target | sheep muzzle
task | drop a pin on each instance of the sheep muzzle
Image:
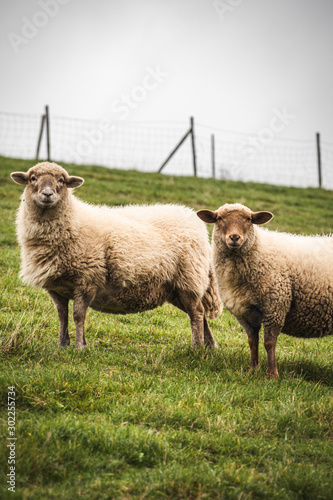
(47, 196)
(234, 241)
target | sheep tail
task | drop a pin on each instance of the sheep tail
(211, 299)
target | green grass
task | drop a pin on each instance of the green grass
(139, 413)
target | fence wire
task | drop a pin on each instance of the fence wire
(145, 145)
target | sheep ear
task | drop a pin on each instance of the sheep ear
(261, 217)
(74, 182)
(207, 216)
(20, 177)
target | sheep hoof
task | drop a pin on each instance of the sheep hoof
(64, 341)
(80, 346)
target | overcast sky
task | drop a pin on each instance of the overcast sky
(229, 63)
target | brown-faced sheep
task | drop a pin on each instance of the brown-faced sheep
(282, 281)
(115, 260)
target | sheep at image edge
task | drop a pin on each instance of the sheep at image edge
(280, 280)
(116, 260)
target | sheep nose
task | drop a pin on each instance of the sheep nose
(234, 237)
(47, 192)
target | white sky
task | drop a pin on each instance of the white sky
(227, 71)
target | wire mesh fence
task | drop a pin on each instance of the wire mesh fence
(145, 145)
(19, 135)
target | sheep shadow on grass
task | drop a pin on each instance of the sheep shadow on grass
(237, 361)
(221, 361)
(309, 370)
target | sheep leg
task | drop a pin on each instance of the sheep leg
(196, 312)
(200, 330)
(253, 339)
(252, 332)
(208, 336)
(81, 304)
(61, 304)
(270, 338)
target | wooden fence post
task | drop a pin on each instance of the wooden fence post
(193, 147)
(42, 123)
(212, 138)
(174, 150)
(47, 118)
(183, 139)
(319, 159)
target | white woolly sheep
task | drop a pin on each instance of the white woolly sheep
(280, 280)
(114, 260)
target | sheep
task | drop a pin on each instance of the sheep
(116, 260)
(280, 280)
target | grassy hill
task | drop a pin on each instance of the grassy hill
(139, 413)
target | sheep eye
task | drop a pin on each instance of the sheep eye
(33, 178)
(219, 218)
(61, 181)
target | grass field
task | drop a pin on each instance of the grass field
(139, 413)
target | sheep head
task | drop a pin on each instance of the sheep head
(234, 223)
(47, 184)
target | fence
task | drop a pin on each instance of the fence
(145, 146)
